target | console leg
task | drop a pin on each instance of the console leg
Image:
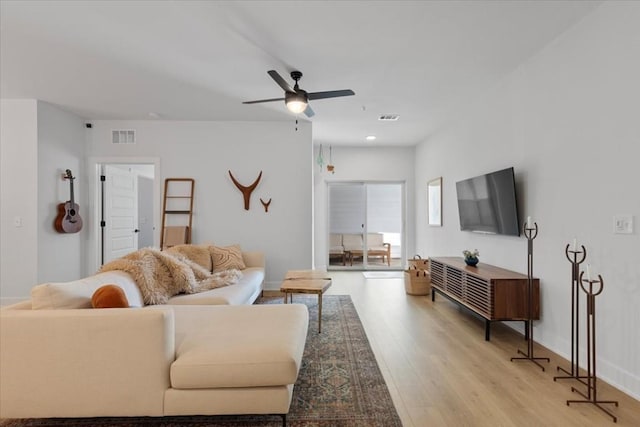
(487, 330)
(284, 420)
(433, 294)
(526, 330)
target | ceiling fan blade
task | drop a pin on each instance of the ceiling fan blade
(309, 112)
(281, 82)
(330, 94)
(263, 100)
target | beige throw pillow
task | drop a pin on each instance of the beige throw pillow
(227, 258)
(199, 254)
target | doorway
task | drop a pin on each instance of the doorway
(125, 208)
(365, 225)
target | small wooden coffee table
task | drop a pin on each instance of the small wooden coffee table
(306, 282)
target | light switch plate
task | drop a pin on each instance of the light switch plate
(623, 224)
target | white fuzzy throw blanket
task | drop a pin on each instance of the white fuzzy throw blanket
(161, 275)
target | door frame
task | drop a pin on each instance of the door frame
(403, 231)
(94, 239)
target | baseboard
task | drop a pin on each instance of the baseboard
(608, 372)
(272, 286)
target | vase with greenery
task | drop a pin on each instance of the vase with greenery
(471, 257)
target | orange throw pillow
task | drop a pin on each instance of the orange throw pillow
(109, 296)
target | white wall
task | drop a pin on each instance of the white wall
(61, 146)
(206, 151)
(39, 141)
(394, 164)
(568, 121)
(18, 198)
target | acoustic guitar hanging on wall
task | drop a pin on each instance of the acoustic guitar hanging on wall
(68, 219)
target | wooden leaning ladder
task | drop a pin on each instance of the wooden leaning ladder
(177, 201)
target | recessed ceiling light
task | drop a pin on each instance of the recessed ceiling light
(371, 138)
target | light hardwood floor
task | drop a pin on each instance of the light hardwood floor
(441, 372)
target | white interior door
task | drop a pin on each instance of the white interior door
(120, 204)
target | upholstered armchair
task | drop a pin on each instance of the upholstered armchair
(353, 246)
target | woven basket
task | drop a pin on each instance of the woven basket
(417, 282)
(417, 263)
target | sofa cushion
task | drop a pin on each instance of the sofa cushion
(78, 293)
(227, 258)
(245, 291)
(200, 254)
(109, 296)
(238, 346)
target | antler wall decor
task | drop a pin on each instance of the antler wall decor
(246, 190)
(265, 204)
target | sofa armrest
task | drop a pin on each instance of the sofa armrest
(85, 362)
(253, 259)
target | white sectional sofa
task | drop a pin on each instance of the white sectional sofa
(208, 353)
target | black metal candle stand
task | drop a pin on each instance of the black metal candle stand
(530, 234)
(574, 373)
(591, 396)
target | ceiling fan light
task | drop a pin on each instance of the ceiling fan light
(296, 107)
(296, 102)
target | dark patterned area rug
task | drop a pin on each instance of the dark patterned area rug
(340, 384)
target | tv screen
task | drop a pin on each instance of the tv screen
(487, 203)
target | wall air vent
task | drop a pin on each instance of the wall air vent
(389, 117)
(123, 136)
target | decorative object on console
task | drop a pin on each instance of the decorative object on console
(246, 190)
(572, 255)
(109, 296)
(531, 232)
(592, 389)
(471, 257)
(434, 200)
(68, 219)
(265, 204)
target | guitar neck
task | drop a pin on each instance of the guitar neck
(71, 191)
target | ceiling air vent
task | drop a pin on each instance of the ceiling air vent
(389, 117)
(123, 136)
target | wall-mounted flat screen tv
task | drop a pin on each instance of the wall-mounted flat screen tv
(487, 203)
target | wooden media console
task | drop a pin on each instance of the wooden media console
(491, 292)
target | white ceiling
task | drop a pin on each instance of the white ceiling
(198, 60)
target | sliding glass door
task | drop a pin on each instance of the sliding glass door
(365, 229)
